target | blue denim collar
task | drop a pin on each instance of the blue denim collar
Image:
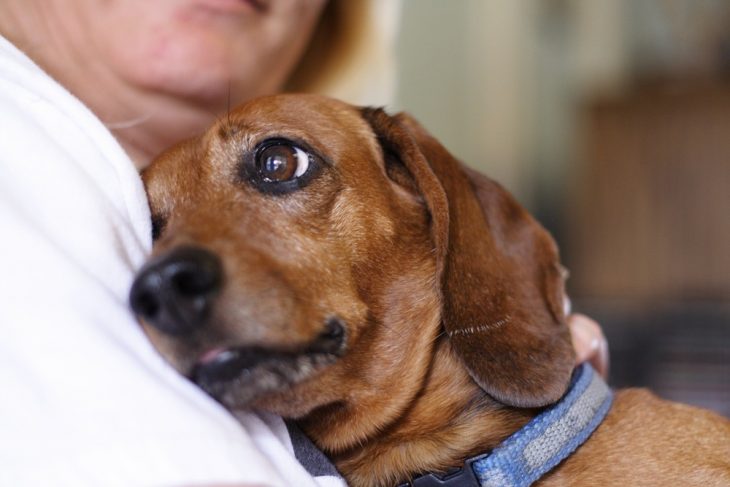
(539, 446)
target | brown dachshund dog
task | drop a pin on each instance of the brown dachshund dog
(336, 265)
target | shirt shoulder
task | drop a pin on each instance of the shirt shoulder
(86, 400)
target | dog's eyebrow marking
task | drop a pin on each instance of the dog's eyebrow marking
(229, 128)
(471, 330)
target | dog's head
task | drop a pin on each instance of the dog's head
(309, 252)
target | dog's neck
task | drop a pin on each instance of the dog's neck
(448, 420)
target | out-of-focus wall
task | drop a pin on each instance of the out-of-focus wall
(498, 81)
(610, 120)
(466, 70)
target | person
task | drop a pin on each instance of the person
(90, 92)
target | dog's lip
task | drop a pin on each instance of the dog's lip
(223, 364)
(236, 375)
(213, 355)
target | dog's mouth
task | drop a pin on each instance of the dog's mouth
(236, 376)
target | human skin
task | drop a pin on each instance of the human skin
(158, 72)
(589, 342)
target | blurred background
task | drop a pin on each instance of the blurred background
(610, 120)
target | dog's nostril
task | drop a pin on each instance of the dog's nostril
(192, 273)
(194, 282)
(146, 305)
(144, 296)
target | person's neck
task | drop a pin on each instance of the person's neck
(143, 121)
(448, 421)
(146, 132)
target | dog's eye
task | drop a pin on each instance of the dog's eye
(281, 162)
(280, 166)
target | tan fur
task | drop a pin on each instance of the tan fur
(451, 294)
(646, 441)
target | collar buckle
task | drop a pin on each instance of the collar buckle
(457, 477)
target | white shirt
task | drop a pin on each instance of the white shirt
(84, 399)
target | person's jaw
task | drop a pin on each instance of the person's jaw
(145, 119)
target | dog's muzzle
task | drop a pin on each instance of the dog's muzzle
(175, 293)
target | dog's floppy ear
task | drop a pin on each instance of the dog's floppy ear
(502, 282)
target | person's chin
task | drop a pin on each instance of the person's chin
(209, 64)
(191, 67)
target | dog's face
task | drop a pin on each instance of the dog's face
(282, 243)
(310, 253)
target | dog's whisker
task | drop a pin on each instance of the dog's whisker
(392, 329)
(471, 330)
(441, 334)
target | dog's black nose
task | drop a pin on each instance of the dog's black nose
(174, 293)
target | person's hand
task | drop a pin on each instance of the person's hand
(589, 342)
